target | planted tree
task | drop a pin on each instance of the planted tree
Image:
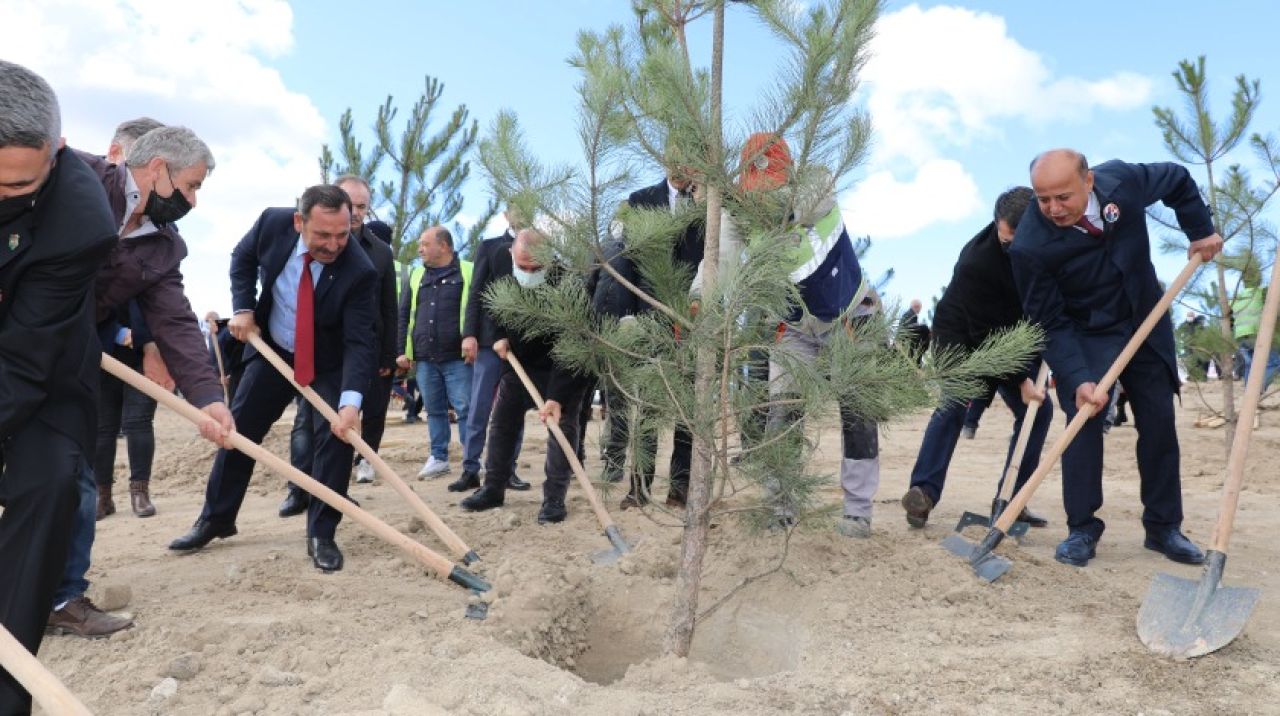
(416, 170)
(1238, 203)
(642, 99)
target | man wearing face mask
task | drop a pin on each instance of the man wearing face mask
(156, 186)
(55, 230)
(980, 300)
(562, 388)
(315, 309)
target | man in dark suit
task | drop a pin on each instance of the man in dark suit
(670, 193)
(373, 415)
(479, 331)
(981, 299)
(1082, 262)
(282, 247)
(55, 230)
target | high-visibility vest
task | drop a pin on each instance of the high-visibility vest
(415, 282)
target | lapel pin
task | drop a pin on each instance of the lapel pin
(1111, 213)
(13, 241)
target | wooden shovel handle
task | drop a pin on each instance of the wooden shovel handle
(433, 561)
(1049, 459)
(1244, 419)
(217, 354)
(565, 446)
(446, 535)
(1024, 435)
(47, 690)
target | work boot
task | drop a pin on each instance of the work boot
(553, 494)
(486, 498)
(79, 617)
(140, 498)
(105, 504)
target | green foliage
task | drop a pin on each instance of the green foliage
(417, 175)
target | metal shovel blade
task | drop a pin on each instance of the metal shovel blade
(1183, 619)
(614, 553)
(987, 565)
(969, 519)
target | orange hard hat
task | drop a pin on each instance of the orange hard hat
(765, 161)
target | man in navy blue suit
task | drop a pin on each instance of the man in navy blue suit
(280, 246)
(1082, 262)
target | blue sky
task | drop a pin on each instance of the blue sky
(961, 94)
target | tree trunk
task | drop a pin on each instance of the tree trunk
(697, 524)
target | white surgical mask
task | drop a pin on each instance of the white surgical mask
(529, 279)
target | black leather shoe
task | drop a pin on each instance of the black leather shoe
(1033, 519)
(486, 498)
(632, 500)
(918, 505)
(295, 503)
(515, 483)
(468, 481)
(324, 553)
(1077, 549)
(202, 533)
(1170, 542)
(553, 510)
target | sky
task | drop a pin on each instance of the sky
(961, 95)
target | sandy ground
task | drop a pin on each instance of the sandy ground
(889, 625)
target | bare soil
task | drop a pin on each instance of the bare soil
(889, 625)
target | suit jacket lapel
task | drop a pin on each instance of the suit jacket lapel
(328, 277)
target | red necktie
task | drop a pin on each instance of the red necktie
(1088, 226)
(304, 335)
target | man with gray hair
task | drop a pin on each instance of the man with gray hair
(155, 187)
(126, 134)
(55, 231)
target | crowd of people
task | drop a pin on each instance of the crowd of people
(92, 263)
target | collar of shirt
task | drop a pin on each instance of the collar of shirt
(675, 196)
(1093, 213)
(133, 197)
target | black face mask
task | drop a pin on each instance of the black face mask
(15, 206)
(167, 209)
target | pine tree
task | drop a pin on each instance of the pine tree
(1237, 202)
(417, 175)
(642, 99)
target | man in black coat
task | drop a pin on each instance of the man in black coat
(55, 230)
(670, 193)
(281, 246)
(563, 390)
(1082, 261)
(479, 331)
(981, 299)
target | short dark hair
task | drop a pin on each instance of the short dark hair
(1012, 204)
(326, 196)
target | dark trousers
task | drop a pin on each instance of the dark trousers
(122, 408)
(373, 411)
(38, 489)
(1150, 388)
(643, 458)
(261, 399)
(973, 412)
(486, 371)
(943, 432)
(506, 426)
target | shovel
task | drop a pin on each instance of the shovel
(217, 354)
(620, 546)
(990, 567)
(1184, 619)
(1005, 489)
(48, 691)
(436, 563)
(380, 466)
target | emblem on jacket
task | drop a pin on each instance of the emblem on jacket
(13, 242)
(1111, 213)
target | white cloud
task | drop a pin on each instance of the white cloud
(196, 64)
(885, 207)
(939, 80)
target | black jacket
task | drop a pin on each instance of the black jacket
(379, 254)
(981, 297)
(687, 250)
(49, 350)
(344, 297)
(479, 324)
(437, 320)
(608, 297)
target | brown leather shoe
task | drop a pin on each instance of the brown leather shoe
(918, 505)
(79, 617)
(105, 504)
(140, 498)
